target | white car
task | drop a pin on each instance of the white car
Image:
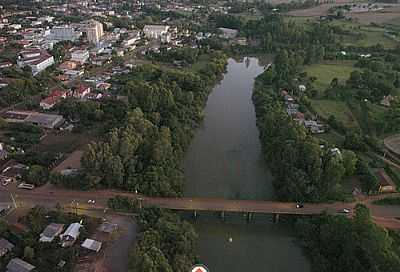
(345, 211)
(91, 201)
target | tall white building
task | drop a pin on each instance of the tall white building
(94, 31)
(64, 33)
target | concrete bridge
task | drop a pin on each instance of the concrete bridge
(49, 196)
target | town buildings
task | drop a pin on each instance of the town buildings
(159, 32)
(51, 100)
(80, 56)
(64, 33)
(94, 31)
(37, 59)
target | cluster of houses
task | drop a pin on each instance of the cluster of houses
(292, 109)
(66, 238)
(80, 91)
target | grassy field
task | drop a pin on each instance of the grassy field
(369, 116)
(338, 109)
(331, 137)
(326, 71)
(365, 35)
(371, 36)
(64, 142)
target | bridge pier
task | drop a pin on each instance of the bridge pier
(249, 216)
(275, 218)
(222, 215)
(195, 215)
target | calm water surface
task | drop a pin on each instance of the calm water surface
(224, 160)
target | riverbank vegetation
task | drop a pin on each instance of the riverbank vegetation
(302, 170)
(144, 146)
(340, 244)
(166, 243)
(350, 89)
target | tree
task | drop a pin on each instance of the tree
(29, 253)
(349, 162)
(354, 141)
(37, 175)
(3, 227)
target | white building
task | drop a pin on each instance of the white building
(15, 26)
(92, 245)
(64, 33)
(70, 235)
(80, 56)
(132, 39)
(50, 232)
(35, 58)
(155, 31)
(94, 31)
(228, 33)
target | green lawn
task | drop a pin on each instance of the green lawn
(368, 35)
(339, 109)
(331, 137)
(371, 37)
(326, 71)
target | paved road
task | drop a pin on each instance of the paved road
(49, 196)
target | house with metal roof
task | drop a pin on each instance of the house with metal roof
(70, 235)
(5, 247)
(50, 232)
(18, 265)
(92, 245)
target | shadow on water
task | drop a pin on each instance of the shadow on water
(225, 161)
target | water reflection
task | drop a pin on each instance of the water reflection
(225, 160)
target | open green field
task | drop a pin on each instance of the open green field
(299, 20)
(371, 37)
(369, 116)
(326, 71)
(331, 137)
(338, 109)
(365, 35)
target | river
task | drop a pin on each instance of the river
(225, 160)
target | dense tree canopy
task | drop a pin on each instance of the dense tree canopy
(144, 148)
(339, 244)
(166, 243)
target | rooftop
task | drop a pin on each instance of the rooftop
(92, 245)
(18, 265)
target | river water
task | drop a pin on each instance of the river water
(225, 161)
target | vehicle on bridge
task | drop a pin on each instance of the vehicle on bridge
(26, 186)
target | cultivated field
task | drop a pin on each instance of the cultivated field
(389, 15)
(338, 109)
(326, 71)
(393, 143)
(316, 11)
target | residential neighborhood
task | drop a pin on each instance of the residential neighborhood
(199, 135)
